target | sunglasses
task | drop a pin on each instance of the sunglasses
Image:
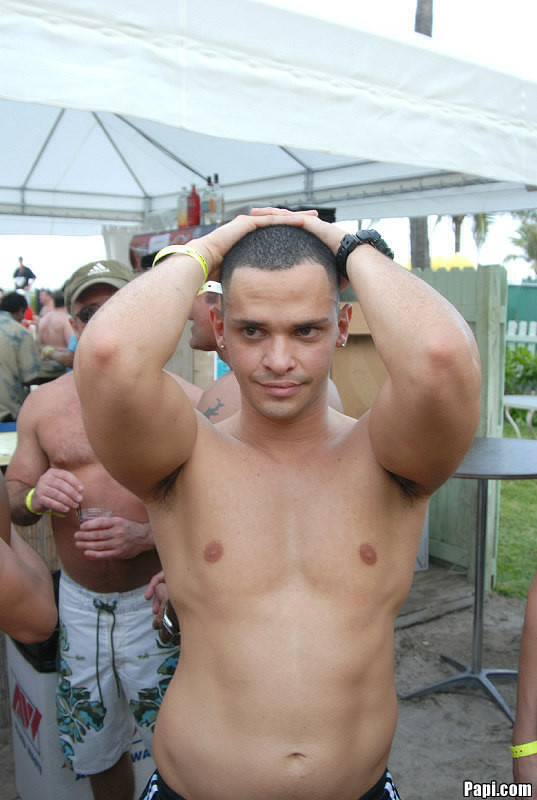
(86, 313)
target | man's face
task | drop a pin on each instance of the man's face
(87, 304)
(280, 329)
(201, 331)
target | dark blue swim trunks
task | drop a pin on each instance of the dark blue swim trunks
(157, 789)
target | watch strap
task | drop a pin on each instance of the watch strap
(352, 240)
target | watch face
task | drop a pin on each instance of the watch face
(368, 236)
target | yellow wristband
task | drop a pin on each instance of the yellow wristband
(187, 251)
(48, 350)
(29, 503)
(528, 749)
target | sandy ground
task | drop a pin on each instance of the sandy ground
(446, 738)
(441, 739)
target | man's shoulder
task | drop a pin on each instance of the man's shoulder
(221, 399)
(55, 392)
(48, 402)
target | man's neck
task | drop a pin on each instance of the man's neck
(309, 428)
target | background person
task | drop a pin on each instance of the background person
(45, 302)
(19, 356)
(525, 727)
(108, 648)
(288, 532)
(54, 333)
(23, 277)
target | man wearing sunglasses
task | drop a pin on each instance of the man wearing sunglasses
(111, 657)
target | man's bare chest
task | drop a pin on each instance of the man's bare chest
(63, 438)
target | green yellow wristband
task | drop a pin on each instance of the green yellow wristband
(48, 350)
(29, 503)
(528, 749)
(185, 250)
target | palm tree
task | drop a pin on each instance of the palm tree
(419, 232)
(481, 224)
(526, 238)
(424, 17)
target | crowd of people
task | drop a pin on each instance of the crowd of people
(234, 592)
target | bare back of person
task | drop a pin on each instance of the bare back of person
(54, 328)
(52, 419)
(274, 697)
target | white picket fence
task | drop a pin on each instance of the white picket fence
(521, 332)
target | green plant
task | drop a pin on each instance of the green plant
(520, 371)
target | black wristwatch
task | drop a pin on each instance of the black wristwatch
(351, 240)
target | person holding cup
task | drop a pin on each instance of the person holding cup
(107, 561)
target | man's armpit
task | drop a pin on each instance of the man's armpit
(164, 487)
(408, 487)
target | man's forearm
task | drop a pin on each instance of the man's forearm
(525, 728)
(20, 513)
(62, 355)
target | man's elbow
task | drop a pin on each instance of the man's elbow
(454, 377)
(39, 629)
(96, 357)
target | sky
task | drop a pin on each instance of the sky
(474, 29)
(54, 258)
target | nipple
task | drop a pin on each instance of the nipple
(368, 554)
(213, 551)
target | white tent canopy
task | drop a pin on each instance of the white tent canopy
(108, 111)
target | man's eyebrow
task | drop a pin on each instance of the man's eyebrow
(308, 323)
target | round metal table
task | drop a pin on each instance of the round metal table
(487, 459)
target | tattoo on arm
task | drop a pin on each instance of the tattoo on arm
(212, 411)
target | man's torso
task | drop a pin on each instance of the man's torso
(287, 574)
(62, 437)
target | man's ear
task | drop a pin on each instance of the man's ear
(73, 326)
(344, 321)
(217, 321)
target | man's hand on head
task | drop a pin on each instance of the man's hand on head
(214, 245)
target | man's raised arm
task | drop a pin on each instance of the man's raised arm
(425, 416)
(138, 418)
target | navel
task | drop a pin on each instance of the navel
(368, 554)
(213, 551)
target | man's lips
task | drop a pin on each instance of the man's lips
(280, 388)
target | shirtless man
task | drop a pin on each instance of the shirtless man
(223, 397)
(288, 532)
(107, 563)
(54, 327)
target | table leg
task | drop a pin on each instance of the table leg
(475, 675)
(529, 422)
(513, 423)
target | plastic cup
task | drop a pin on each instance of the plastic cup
(92, 513)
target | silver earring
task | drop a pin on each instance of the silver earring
(221, 346)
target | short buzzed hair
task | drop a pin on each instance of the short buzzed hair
(278, 247)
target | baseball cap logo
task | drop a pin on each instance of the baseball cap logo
(98, 269)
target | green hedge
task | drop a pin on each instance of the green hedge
(520, 371)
